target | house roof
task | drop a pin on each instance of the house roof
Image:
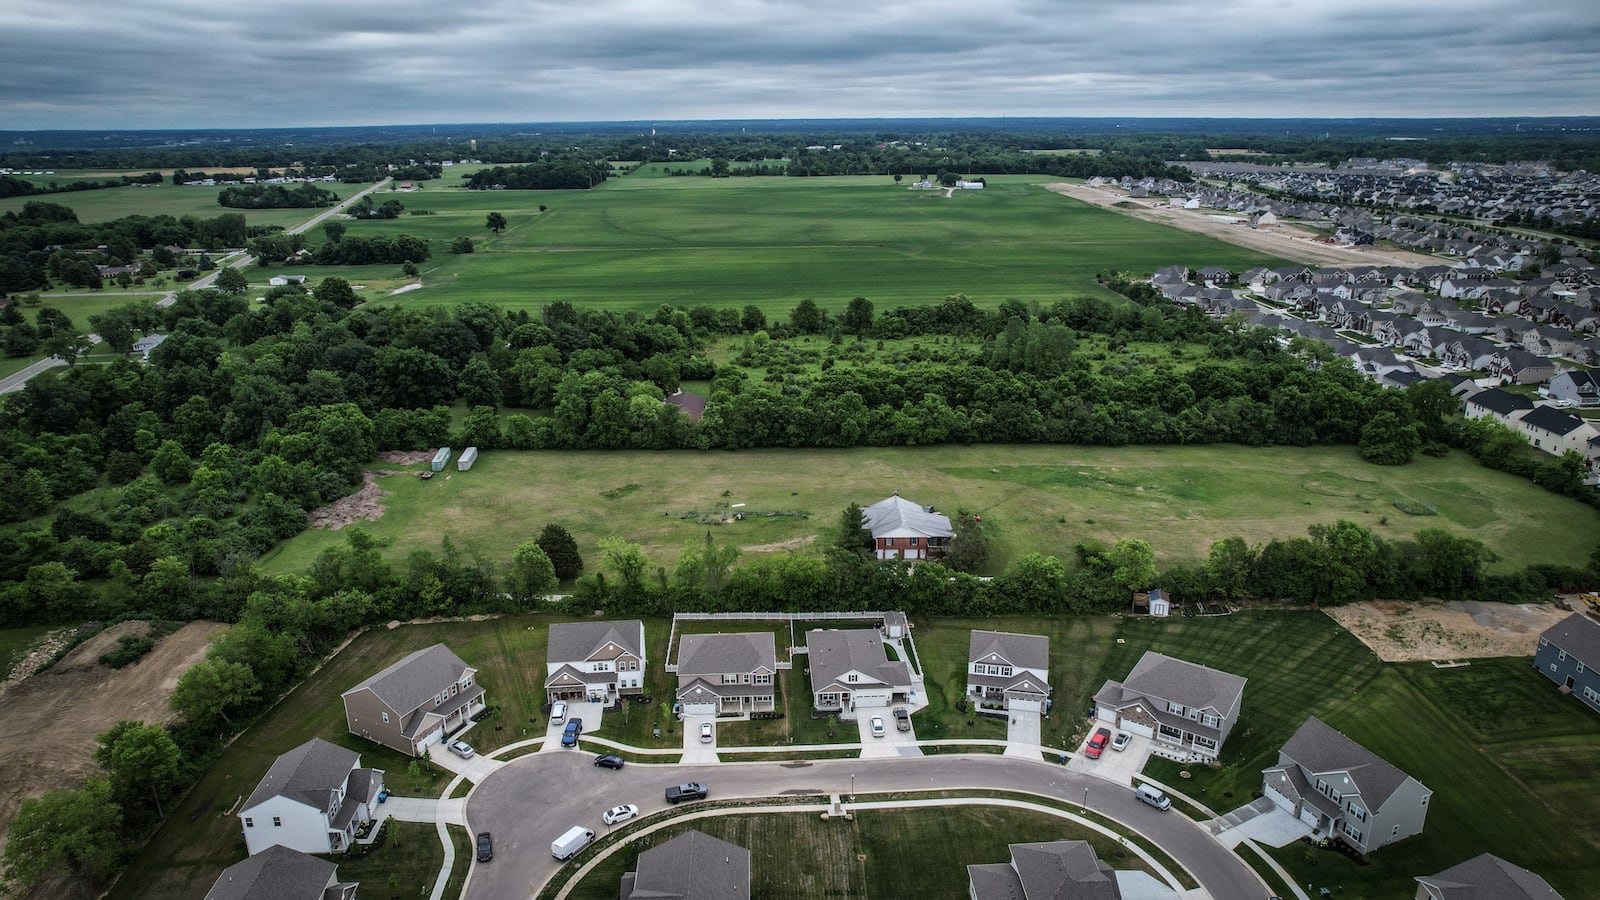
(700, 690)
(1500, 402)
(1063, 870)
(309, 773)
(994, 881)
(1027, 651)
(1487, 877)
(692, 866)
(1578, 379)
(278, 873)
(1318, 748)
(712, 654)
(834, 652)
(570, 641)
(1194, 686)
(416, 678)
(1552, 420)
(895, 516)
(1579, 636)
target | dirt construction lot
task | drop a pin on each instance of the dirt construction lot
(1287, 241)
(52, 717)
(1403, 632)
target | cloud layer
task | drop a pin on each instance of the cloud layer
(184, 63)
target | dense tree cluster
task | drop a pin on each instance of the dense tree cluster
(276, 196)
(548, 175)
(45, 244)
(12, 186)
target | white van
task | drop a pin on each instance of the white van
(1153, 796)
(558, 712)
(566, 846)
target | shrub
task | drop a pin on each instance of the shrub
(129, 650)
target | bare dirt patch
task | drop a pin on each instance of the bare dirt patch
(53, 716)
(1286, 241)
(794, 543)
(366, 504)
(1406, 632)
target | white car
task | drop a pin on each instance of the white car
(877, 726)
(620, 814)
(1121, 741)
(461, 749)
(706, 734)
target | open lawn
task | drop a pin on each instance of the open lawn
(107, 204)
(1506, 756)
(1032, 498)
(638, 241)
(881, 853)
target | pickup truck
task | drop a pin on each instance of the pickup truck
(902, 720)
(689, 790)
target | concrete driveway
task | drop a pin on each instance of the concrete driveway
(694, 750)
(592, 715)
(1120, 767)
(1022, 735)
(876, 747)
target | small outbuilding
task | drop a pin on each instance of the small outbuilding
(440, 458)
(468, 457)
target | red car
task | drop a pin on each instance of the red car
(1097, 744)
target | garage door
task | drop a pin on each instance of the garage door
(1133, 727)
(869, 701)
(1026, 705)
(431, 738)
(1106, 714)
(700, 709)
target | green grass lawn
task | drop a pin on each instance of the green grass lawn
(881, 853)
(15, 644)
(1032, 498)
(405, 866)
(165, 200)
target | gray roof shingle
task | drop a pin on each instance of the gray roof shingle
(1195, 686)
(1579, 635)
(1317, 748)
(714, 654)
(278, 873)
(1029, 651)
(416, 678)
(898, 516)
(1488, 877)
(309, 773)
(692, 866)
(832, 653)
(1063, 870)
(571, 641)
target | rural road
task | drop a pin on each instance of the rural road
(535, 798)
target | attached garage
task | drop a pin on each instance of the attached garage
(700, 709)
(869, 700)
(1133, 727)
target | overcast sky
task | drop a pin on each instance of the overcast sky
(185, 63)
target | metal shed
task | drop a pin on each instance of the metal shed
(440, 458)
(468, 457)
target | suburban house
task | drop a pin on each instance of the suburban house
(1555, 431)
(1568, 653)
(595, 661)
(1183, 707)
(313, 799)
(1012, 670)
(1581, 388)
(904, 530)
(418, 701)
(691, 866)
(850, 670)
(726, 673)
(1059, 870)
(1343, 790)
(1484, 877)
(279, 873)
(149, 342)
(1497, 403)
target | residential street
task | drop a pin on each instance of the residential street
(533, 799)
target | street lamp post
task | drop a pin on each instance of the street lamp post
(1086, 798)
(852, 785)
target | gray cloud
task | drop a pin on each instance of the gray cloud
(184, 63)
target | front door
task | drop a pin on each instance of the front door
(1570, 682)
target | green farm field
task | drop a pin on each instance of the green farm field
(638, 242)
(1032, 499)
(107, 204)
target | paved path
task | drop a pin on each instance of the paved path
(567, 790)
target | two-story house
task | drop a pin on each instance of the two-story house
(1484, 877)
(1012, 670)
(1185, 708)
(1343, 790)
(1568, 654)
(278, 873)
(727, 673)
(850, 670)
(1059, 870)
(314, 799)
(419, 701)
(905, 530)
(1579, 388)
(691, 866)
(595, 661)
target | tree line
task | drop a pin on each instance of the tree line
(276, 196)
(44, 243)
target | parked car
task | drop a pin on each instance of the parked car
(902, 720)
(689, 790)
(1153, 796)
(569, 737)
(461, 749)
(707, 734)
(485, 847)
(558, 711)
(877, 726)
(1097, 744)
(620, 814)
(608, 761)
(1121, 741)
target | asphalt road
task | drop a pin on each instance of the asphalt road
(535, 798)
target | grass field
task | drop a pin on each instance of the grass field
(1032, 498)
(15, 644)
(167, 199)
(881, 853)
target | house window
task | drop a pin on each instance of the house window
(249, 822)
(1328, 790)
(1561, 655)
(851, 677)
(1005, 671)
(1552, 667)
(277, 822)
(385, 718)
(1580, 668)
(1210, 720)
(730, 679)
(763, 679)
(1395, 832)
(1591, 695)
(602, 667)
(1358, 813)
(1175, 708)
(1355, 835)
(1205, 743)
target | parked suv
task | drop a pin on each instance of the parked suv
(689, 790)
(569, 737)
